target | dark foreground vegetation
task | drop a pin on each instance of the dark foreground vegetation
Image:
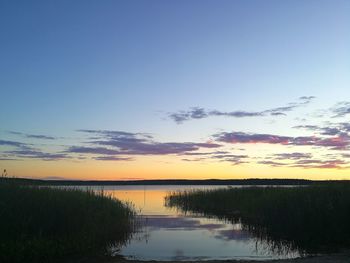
(311, 219)
(52, 225)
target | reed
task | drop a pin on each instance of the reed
(312, 218)
(42, 224)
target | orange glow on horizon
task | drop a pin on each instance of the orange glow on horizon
(147, 168)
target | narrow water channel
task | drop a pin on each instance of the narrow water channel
(168, 234)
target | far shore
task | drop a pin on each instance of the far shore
(228, 182)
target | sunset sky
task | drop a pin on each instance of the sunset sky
(175, 89)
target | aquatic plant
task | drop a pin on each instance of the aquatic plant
(42, 224)
(311, 219)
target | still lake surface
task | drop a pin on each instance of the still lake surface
(169, 234)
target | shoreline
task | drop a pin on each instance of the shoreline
(342, 257)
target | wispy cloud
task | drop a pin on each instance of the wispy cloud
(241, 137)
(201, 113)
(341, 109)
(35, 154)
(12, 143)
(326, 164)
(115, 143)
(206, 153)
(7, 159)
(33, 136)
(221, 156)
(272, 163)
(234, 159)
(307, 163)
(112, 158)
(305, 160)
(22, 150)
(92, 150)
(331, 129)
(104, 145)
(339, 142)
(292, 156)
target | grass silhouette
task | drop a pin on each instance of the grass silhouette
(310, 219)
(41, 224)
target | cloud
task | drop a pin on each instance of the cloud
(303, 160)
(193, 160)
(321, 164)
(12, 143)
(112, 158)
(307, 127)
(33, 136)
(106, 145)
(23, 150)
(221, 156)
(92, 150)
(241, 137)
(291, 156)
(331, 129)
(234, 159)
(307, 99)
(196, 153)
(272, 163)
(193, 113)
(321, 130)
(111, 133)
(341, 109)
(112, 144)
(339, 142)
(308, 164)
(200, 113)
(346, 155)
(34, 154)
(8, 159)
(154, 148)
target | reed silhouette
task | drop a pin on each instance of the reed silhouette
(310, 219)
(41, 224)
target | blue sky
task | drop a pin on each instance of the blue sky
(128, 65)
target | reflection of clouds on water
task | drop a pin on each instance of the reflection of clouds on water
(170, 234)
(182, 238)
(233, 234)
(176, 223)
(219, 231)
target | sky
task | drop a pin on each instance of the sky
(120, 90)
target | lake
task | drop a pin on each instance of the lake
(169, 234)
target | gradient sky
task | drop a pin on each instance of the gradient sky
(175, 89)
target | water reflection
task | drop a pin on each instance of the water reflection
(177, 223)
(193, 238)
(169, 234)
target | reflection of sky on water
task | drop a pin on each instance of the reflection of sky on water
(177, 223)
(168, 234)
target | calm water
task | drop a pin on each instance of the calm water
(168, 234)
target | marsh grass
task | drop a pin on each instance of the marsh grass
(311, 219)
(50, 224)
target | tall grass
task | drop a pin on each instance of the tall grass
(50, 224)
(311, 219)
